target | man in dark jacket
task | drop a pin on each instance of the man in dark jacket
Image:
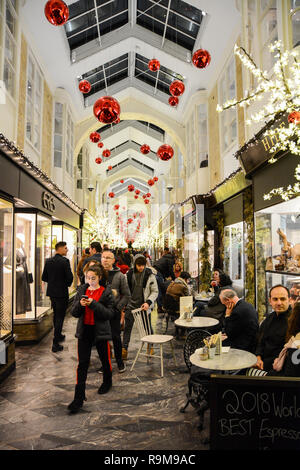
(120, 289)
(272, 331)
(95, 254)
(164, 268)
(240, 323)
(57, 273)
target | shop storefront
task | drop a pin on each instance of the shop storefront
(31, 210)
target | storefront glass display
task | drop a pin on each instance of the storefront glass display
(233, 255)
(57, 236)
(25, 265)
(6, 268)
(70, 237)
(43, 251)
(277, 250)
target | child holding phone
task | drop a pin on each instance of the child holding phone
(94, 307)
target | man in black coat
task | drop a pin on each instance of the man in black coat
(95, 255)
(57, 273)
(164, 268)
(240, 322)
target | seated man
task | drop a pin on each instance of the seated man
(240, 322)
(272, 331)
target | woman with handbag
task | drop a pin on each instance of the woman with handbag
(94, 307)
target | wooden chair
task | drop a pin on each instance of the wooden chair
(142, 320)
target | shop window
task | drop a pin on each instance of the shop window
(34, 103)
(277, 250)
(268, 32)
(43, 251)
(295, 22)
(228, 120)
(58, 135)
(233, 255)
(10, 45)
(70, 237)
(6, 267)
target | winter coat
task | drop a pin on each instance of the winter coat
(215, 308)
(150, 288)
(165, 266)
(118, 282)
(57, 273)
(103, 312)
(175, 290)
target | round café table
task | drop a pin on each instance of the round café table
(234, 359)
(197, 322)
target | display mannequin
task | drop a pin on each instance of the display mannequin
(23, 295)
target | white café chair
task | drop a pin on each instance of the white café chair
(142, 320)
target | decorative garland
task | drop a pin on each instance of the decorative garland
(205, 271)
(248, 216)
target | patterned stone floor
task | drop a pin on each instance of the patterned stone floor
(141, 412)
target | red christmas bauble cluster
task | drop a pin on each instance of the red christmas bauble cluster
(98, 160)
(177, 88)
(56, 12)
(145, 149)
(130, 188)
(107, 109)
(85, 86)
(111, 194)
(100, 145)
(201, 58)
(154, 65)
(294, 117)
(95, 137)
(173, 101)
(106, 153)
(165, 152)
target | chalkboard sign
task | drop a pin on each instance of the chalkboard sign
(254, 412)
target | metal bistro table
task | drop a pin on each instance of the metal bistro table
(197, 322)
(234, 359)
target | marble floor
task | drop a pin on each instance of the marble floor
(141, 412)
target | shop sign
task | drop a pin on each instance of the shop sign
(48, 201)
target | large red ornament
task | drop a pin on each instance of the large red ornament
(148, 194)
(165, 152)
(107, 109)
(155, 178)
(150, 182)
(98, 160)
(177, 88)
(117, 120)
(111, 194)
(294, 117)
(95, 137)
(131, 188)
(146, 201)
(121, 181)
(106, 153)
(56, 12)
(154, 65)
(173, 101)
(137, 191)
(100, 145)
(85, 86)
(201, 58)
(145, 149)
(109, 168)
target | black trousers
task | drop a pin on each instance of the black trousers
(85, 345)
(116, 336)
(59, 306)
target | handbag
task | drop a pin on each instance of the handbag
(30, 278)
(279, 361)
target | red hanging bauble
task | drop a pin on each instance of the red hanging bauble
(201, 58)
(107, 109)
(111, 194)
(98, 160)
(121, 181)
(177, 88)
(116, 207)
(130, 221)
(85, 86)
(106, 153)
(56, 12)
(154, 65)
(144, 196)
(148, 194)
(150, 182)
(155, 178)
(109, 168)
(145, 149)
(165, 152)
(136, 196)
(146, 201)
(294, 117)
(95, 137)
(100, 145)
(131, 188)
(137, 191)
(173, 101)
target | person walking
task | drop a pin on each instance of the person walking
(94, 308)
(84, 256)
(95, 253)
(119, 286)
(164, 268)
(144, 291)
(57, 273)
